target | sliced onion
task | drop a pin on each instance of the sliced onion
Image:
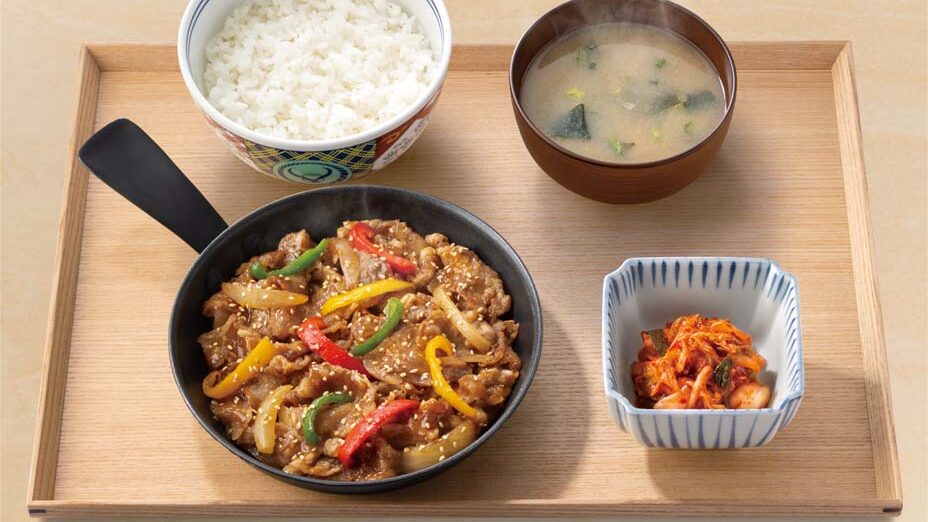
(251, 296)
(265, 430)
(348, 260)
(424, 455)
(467, 329)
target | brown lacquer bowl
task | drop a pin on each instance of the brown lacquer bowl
(621, 182)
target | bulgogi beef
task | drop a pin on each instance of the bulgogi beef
(371, 354)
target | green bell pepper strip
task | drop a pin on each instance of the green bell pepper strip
(309, 418)
(294, 267)
(394, 313)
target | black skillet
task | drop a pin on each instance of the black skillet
(127, 159)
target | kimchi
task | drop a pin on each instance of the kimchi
(697, 362)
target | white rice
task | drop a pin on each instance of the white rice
(317, 69)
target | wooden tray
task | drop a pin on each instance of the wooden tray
(114, 436)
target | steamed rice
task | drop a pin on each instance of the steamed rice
(317, 69)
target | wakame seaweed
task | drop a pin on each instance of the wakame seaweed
(691, 102)
(698, 100)
(664, 101)
(572, 125)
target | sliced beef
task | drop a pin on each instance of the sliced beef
(220, 307)
(223, 346)
(294, 244)
(363, 326)
(282, 323)
(378, 460)
(260, 387)
(490, 387)
(373, 268)
(477, 287)
(295, 283)
(236, 415)
(311, 463)
(399, 358)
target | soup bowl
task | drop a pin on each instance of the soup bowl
(621, 182)
(126, 159)
(312, 162)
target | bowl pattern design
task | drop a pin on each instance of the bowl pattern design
(352, 158)
(756, 293)
(329, 166)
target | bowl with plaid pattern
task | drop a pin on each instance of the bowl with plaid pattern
(313, 162)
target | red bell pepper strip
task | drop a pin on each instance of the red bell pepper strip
(385, 413)
(361, 235)
(310, 331)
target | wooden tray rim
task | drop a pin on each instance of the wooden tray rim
(95, 59)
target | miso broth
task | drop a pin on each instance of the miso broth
(623, 92)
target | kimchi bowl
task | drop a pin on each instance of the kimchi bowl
(756, 294)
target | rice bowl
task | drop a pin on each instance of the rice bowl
(363, 100)
(363, 62)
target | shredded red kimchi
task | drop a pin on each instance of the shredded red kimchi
(697, 362)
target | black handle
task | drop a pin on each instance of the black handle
(129, 161)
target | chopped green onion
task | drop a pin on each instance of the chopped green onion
(621, 147)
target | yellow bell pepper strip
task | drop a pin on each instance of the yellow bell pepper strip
(363, 292)
(265, 430)
(309, 418)
(468, 330)
(394, 314)
(251, 296)
(294, 267)
(439, 383)
(256, 359)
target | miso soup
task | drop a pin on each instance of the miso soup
(623, 93)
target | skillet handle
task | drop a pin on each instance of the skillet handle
(132, 164)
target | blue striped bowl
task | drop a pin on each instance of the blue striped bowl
(756, 294)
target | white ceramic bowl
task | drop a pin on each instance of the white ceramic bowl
(756, 294)
(312, 161)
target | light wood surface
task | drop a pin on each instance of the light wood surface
(560, 454)
(876, 371)
(64, 283)
(39, 70)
